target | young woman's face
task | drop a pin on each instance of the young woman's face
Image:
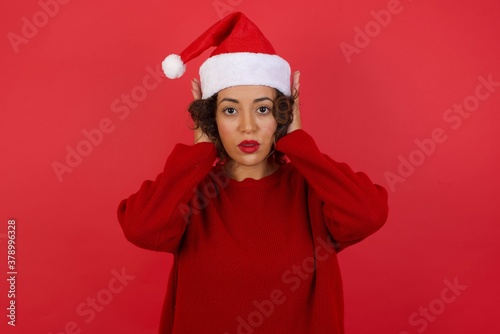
(244, 113)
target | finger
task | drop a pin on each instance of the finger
(296, 80)
(195, 89)
(197, 83)
(296, 87)
(195, 86)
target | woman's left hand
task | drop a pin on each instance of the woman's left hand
(296, 124)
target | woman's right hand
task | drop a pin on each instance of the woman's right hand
(199, 135)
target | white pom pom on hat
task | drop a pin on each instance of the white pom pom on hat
(243, 56)
(173, 66)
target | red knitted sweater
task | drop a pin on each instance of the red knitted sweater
(256, 256)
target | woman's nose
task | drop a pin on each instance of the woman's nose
(247, 122)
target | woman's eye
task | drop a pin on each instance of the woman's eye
(230, 111)
(264, 110)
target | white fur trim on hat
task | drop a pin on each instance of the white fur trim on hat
(173, 66)
(244, 68)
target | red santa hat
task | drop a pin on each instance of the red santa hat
(243, 56)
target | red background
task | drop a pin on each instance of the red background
(63, 80)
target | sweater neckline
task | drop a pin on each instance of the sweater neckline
(265, 181)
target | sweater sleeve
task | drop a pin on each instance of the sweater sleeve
(155, 217)
(353, 207)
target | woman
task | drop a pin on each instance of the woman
(255, 235)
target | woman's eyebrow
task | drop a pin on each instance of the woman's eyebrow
(229, 100)
(262, 99)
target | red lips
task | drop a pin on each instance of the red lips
(249, 146)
